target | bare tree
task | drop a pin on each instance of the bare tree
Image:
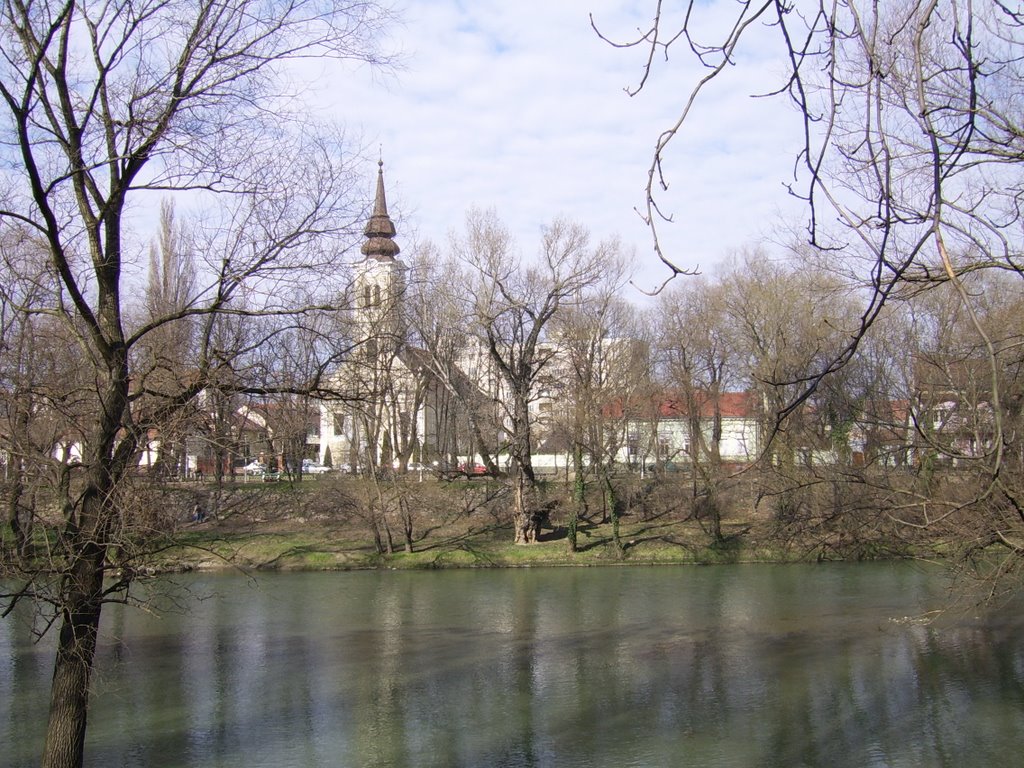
(100, 105)
(600, 353)
(911, 142)
(463, 419)
(700, 362)
(911, 158)
(785, 323)
(17, 357)
(164, 354)
(513, 304)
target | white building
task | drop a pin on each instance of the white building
(663, 430)
(401, 405)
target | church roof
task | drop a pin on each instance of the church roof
(380, 230)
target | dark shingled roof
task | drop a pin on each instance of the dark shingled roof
(380, 229)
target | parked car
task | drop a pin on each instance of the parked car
(310, 467)
(254, 468)
(473, 469)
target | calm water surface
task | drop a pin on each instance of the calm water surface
(726, 666)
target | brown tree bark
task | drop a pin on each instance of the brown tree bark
(527, 518)
(76, 648)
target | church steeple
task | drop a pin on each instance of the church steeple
(380, 230)
(379, 280)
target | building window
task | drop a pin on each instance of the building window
(339, 423)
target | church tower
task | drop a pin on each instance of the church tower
(379, 280)
(382, 424)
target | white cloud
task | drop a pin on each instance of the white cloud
(520, 107)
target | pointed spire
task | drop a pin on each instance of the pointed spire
(380, 229)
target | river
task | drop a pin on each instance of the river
(760, 665)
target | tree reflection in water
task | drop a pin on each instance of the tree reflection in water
(729, 666)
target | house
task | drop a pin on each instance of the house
(661, 428)
(881, 434)
(951, 408)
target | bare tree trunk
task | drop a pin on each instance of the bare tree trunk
(389, 541)
(612, 503)
(714, 513)
(13, 491)
(69, 691)
(407, 528)
(520, 518)
(87, 528)
(578, 507)
(526, 519)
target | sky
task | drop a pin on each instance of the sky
(521, 107)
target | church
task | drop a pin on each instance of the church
(409, 401)
(401, 404)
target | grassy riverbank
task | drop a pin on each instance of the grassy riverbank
(305, 546)
(333, 523)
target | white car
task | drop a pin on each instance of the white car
(313, 468)
(254, 468)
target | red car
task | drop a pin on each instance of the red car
(473, 469)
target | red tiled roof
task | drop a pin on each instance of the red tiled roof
(732, 405)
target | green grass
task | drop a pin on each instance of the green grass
(315, 525)
(298, 543)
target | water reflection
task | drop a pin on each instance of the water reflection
(733, 666)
